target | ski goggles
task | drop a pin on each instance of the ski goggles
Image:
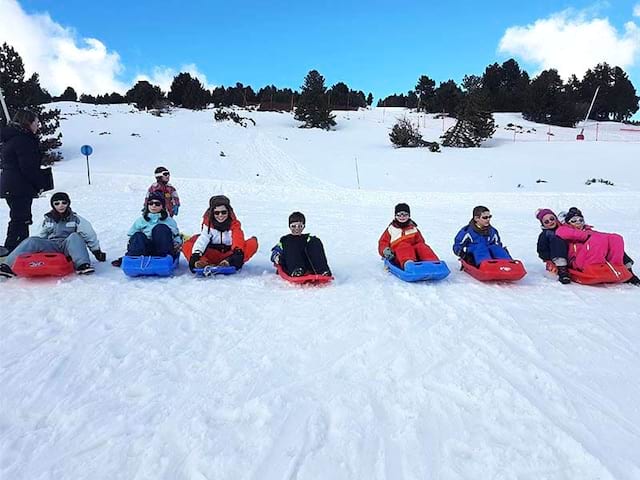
(296, 226)
(576, 219)
(402, 214)
(166, 173)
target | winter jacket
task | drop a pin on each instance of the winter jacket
(57, 229)
(550, 245)
(20, 164)
(146, 226)
(170, 195)
(588, 246)
(231, 239)
(469, 238)
(397, 233)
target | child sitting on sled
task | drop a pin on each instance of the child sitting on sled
(402, 242)
(221, 240)
(63, 231)
(591, 247)
(155, 233)
(552, 249)
(478, 240)
(300, 253)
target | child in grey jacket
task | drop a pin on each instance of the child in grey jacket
(63, 231)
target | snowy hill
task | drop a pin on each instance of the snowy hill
(369, 378)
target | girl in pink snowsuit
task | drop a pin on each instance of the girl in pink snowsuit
(588, 246)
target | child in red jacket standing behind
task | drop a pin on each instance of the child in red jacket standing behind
(402, 242)
(168, 191)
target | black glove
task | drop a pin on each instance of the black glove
(192, 261)
(100, 255)
(236, 259)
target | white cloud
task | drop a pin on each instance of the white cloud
(636, 10)
(572, 42)
(62, 59)
(163, 76)
(57, 55)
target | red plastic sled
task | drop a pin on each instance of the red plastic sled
(311, 279)
(42, 265)
(600, 273)
(498, 270)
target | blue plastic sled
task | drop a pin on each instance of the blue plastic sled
(419, 271)
(212, 270)
(149, 266)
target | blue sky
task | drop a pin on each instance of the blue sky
(376, 46)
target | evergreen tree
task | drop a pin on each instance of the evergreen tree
(447, 97)
(548, 101)
(86, 98)
(144, 95)
(505, 86)
(474, 125)
(616, 99)
(69, 95)
(29, 94)
(370, 99)
(425, 91)
(313, 109)
(188, 92)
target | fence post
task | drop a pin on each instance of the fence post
(597, 129)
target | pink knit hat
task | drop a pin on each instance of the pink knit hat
(541, 212)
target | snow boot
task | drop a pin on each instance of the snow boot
(5, 271)
(85, 269)
(634, 280)
(563, 275)
(203, 262)
(298, 272)
(117, 262)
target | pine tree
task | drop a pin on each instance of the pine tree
(447, 97)
(144, 95)
(548, 101)
(474, 125)
(313, 109)
(370, 99)
(69, 95)
(188, 92)
(29, 94)
(425, 90)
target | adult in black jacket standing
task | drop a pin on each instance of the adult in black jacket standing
(20, 179)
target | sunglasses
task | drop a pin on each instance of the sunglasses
(576, 220)
(165, 173)
(296, 225)
(402, 214)
(219, 213)
(486, 217)
(57, 203)
(154, 203)
(549, 220)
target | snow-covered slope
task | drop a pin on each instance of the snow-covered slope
(247, 377)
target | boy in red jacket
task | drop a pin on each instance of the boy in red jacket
(402, 242)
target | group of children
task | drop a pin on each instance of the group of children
(563, 243)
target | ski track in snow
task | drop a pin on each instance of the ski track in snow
(248, 377)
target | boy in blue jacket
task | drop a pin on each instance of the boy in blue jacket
(479, 241)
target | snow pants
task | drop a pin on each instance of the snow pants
(599, 248)
(160, 244)
(556, 251)
(405, 252)
(481, 252)
(73, 246)
(307, 255)
(215, 256)
(19, 220)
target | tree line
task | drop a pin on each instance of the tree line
(547, 98)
